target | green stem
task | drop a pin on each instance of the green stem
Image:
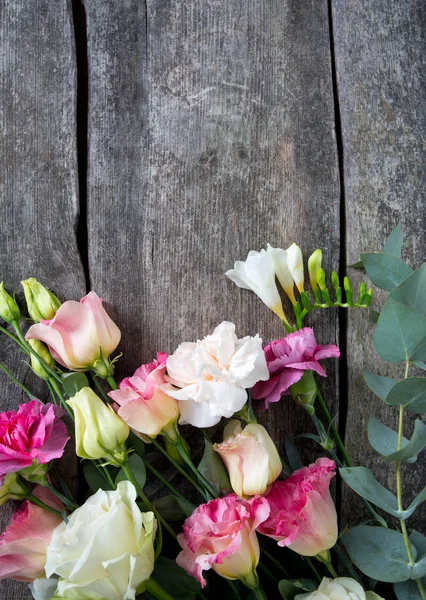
(313, 569)
(40, 503)
(274, 561)
(156, 590)
(112, 383)
(267, 572)
(105, 474)
(399, 492)
(15, 380)
(331, 570)
(234, 588)
(101, 389)
(25, 345)
(129, 474)
(204, 482)
(259, 593)
(61, 397)
(61, 497)
(164, 481)
(178, 467)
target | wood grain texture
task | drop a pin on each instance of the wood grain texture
(210, 134)
(381, 59)
(39, 206)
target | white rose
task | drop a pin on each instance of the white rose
(213, 374)
(106, 550)
(257, 273)
(341, 588)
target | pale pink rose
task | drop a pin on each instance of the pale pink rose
(250, 456)
(33, 432)
(143, 404)
(302, 513)
(288, 359)
(221, 535)
(80, 333)
(23, 546)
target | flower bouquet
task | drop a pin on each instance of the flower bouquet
(245, 522)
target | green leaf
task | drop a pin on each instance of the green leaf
(95, 480)
(73, 383)
(419, 499)
(292, 454)
(213, 468)
(357, 265)
(408, 590)
(384, 440)
(374, 316)
(419, 541)
(135, 442)
(378, 384)
(413, 447)
(363, 482)
(393, 245)
(378, 552)
(410, 393)
(138, 469)
(412, 292)
(174, 508)
(287, 590)
(421, 365)
(400, 333)
(385, 271)
(174, 579)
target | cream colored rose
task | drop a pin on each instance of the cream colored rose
(341, 588)
(106, 550)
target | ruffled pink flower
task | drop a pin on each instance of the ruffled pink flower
(80, 334)
(287, 360)
(34, 431)
(142, 404)
(221, 535)
(23, 545)
(302, 513)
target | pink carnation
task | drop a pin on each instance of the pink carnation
(34, 432)
(287, 360)
(302, 513)
(142, 403)
(23, 545)
(221, 535)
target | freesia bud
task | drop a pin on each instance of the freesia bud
(9, 310)
(81, 336)
(321, 280)
(41, 304)
(44, 353)
(250, 456)
(257, 273)
(99, 431)
(314, 263)
(12, 488)
(295, 265)
(279, 256)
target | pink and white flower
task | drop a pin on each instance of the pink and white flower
(302, 513)
(221, 535)
(80, 333)
(23, 546)
(288, 359)
(142, 402)
(33, 432)
(213, 375)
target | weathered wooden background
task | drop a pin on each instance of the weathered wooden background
(145, 146)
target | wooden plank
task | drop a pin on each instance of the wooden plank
(38, 181)
(211, 132)
(380, 58)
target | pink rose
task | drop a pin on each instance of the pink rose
(287, 360)
(33, 432)
(143, 405)
(23, 545)
(80, 336)
(302, 513)
(221, 535)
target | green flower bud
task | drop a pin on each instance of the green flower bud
(42, 304)
(305, 391)
(36, 473)
(44, 353)
(13, 488)
(314, 263)
(335, 280)
(9, 310)
(321, 280)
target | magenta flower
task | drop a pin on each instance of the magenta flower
(23, 545)
(34, 432)
(287, 360)
(302, 513)
(221, 535)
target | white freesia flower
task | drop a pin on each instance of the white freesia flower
(279, 256)
(106, 550)
(295, 265)
(212, 375)
(257, 273)
(341, 588)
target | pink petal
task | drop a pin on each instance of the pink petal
(329, 351)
